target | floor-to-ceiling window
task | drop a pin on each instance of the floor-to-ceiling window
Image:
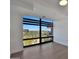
(46, 30)
(36, 30)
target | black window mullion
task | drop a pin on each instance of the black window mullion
(40, 31)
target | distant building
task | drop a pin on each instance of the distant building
(26, 30)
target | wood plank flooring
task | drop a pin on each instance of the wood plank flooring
(46, 51)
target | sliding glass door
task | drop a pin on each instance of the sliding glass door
(36, 31)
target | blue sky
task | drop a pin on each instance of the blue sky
(35, 28)
(32, 27)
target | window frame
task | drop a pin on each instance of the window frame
(39, 23)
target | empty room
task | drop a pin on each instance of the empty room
(38, 29)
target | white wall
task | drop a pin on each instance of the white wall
(16, 33)
(18, 8)
(61, 32)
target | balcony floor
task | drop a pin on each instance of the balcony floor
(46, 51)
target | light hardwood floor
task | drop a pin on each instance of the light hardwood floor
(46, 51)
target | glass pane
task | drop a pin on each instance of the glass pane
(30, 31)
(32, 17)
(46, 31)
(46, 39)
(30, 42)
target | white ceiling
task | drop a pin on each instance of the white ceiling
(54, 4)
(48, 8)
